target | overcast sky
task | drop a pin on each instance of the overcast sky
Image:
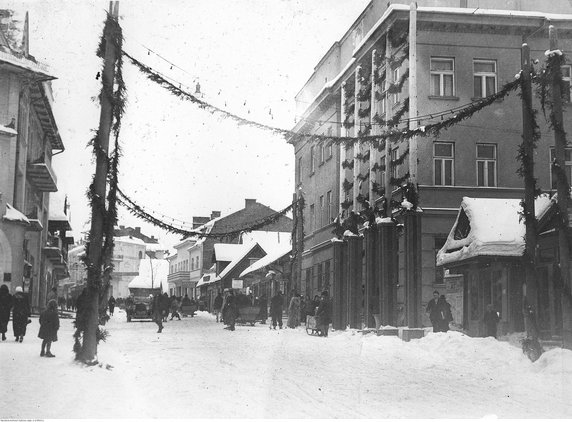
(249, 56)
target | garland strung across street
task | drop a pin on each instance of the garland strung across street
(140, 212)
(393, 135)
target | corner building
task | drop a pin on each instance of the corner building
(463, 51)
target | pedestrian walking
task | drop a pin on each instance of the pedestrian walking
(157, 311)
(230, 312)
(217, 306)
(324, 314)
(111, 304)
(433, 312)
(491, 320)
(276, 304)
(294, 311)
(5, 308)
(20, 314)
(175, 306)
(164, 305)
(49, 326)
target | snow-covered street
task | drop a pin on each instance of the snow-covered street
(195, 369)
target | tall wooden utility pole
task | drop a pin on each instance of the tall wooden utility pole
(562, 187)
(98, 214)
(530, 288)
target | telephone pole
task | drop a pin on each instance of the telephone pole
(530, 287)
(98, 189)
(562, 188)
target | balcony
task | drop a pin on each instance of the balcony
(53, 250)
(179, 277)
(35, 223)
(41, 175)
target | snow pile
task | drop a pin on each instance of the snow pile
(196, 369)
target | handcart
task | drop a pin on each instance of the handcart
(248, 315)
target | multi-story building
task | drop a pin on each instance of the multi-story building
(31, 252)
(462, 51)
(132, 248)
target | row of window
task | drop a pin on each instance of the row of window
(184, 265)
(485, 72)
(444, 164)
(324, 212)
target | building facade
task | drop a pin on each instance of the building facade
(32, 247)
(461, 52)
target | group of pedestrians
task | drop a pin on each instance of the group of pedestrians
(18, 305)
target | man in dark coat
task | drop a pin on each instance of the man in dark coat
(230, 312)
(111, 304)
(433, 311)
(324, 314)
(491, 321)
(445, 315)
(164, 304)
(5, 308)
(20, 314)
(276, 304)
(217, 305)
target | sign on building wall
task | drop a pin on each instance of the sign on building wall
(454, 295)
(236, 283)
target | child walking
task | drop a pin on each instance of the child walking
(49, 326)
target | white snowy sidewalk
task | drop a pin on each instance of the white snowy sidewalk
(195, 369)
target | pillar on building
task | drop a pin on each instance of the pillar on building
(371, 279)
(387, 259)
(412, 222)
(339, 308)
(354, 280)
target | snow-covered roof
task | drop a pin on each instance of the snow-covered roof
(227, 252)
(152, 272)
(208, 278)
(269, 241)
(155, 247)
(273, 256)
(244, 251)
(129, 239)
(488, 227)
(12, 214)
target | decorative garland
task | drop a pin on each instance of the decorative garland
(362, 177)
(138, 211)
(363, 157)
(378, 167)
(347, 164)
(375, 140)
(399, 181)
(347, 185)
(99, 273)
(399, 161)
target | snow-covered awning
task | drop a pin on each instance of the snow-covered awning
(488, 227)
(12, 214)
(8, 131)
(207, 278)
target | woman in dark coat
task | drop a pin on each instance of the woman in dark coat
(445, 315)
(49, 326)
(20, 314)
(5, 307)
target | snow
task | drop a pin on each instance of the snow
(129, 239)
(160, 272)
(5, 130)
(195, 369)
(12, 214)
(269, 241)
(57, 203)
(228, 252)
(273, 256)
(246, 249)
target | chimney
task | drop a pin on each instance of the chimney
(248, 203)
(121, 227)
(138, 230)
(215, 214)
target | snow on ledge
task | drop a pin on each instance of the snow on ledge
(12, 214)
(5, 130)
